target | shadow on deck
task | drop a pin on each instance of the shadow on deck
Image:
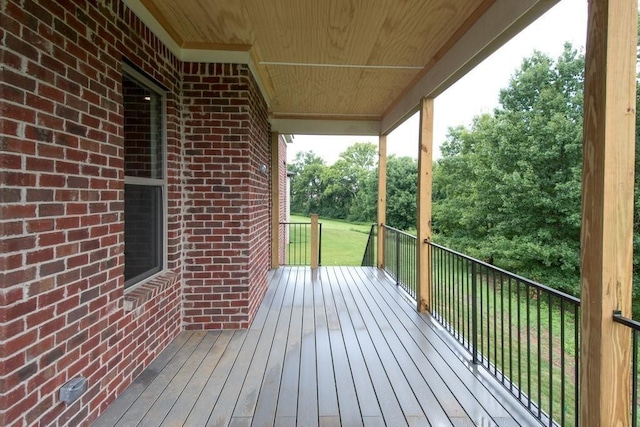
(342, 346)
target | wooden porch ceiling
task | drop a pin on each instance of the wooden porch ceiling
(365, 63)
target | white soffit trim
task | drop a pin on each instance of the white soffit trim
(480, 41)
(195, 55)
(325, 127)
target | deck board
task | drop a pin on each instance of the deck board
(182, 407)
(385, 395)
(343, 335)
(288, 392)
(246, 402)
(468, 392)
(146, 400)
(121, 405)
(328, 409)
(308, 390)
(340, 346)
(268, 398)
(162, 406)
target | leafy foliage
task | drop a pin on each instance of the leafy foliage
(307, 186)
(402, 187)
(348, 189)
(507, 190)
(345, 190)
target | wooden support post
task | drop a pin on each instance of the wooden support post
(425, 160)
(315, 247)
(382, 196)
(275, 200)
(607, 212)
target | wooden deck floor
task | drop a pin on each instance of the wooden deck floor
(339, 347)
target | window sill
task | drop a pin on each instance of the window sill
(137, 295)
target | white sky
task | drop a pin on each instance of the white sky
(475, 93)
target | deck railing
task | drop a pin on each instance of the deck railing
(298, 243)
(524, 334)
(400, 258)
(369, 257)
(635, 342)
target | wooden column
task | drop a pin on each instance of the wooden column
(425, 164)
(382, 196)
(275, 200)
(315, 247)
(607, 211)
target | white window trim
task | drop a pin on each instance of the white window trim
(162, 183)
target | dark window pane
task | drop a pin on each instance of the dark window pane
(142, 232)
(142, 131)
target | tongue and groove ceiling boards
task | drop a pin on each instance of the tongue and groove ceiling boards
(342, 66)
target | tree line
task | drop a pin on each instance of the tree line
(348, 189)
(507, 188)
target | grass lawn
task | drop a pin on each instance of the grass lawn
(343, 243)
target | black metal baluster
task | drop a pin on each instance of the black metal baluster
(319, 244)
(528, 349)
(502, 331)
(577, 358)
(510, 296)
(495, 323)
(519, 342)
(474, 312)
(562, 364)
(539, 355)
(550, 361)
(634, 379)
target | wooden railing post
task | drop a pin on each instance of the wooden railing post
(314, 242)
(607, 212)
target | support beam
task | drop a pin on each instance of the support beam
(325, 126)
(607, 212)
(275, 200)
(425, 164)
(382, 196)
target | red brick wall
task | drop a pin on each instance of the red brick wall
(260, 195)
(226, 196)
(63, 308)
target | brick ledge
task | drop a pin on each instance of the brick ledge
(139, 294)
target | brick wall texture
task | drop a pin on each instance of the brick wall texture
(226, 196)
(64, 311)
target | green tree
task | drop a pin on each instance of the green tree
(306, 183)
(364, 207)
(402, 178)
(347, 177)
(507, 190)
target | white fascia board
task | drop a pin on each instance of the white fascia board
(325, 127)
(195, 55)
(503, 20)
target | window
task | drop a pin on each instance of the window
(144, 177)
